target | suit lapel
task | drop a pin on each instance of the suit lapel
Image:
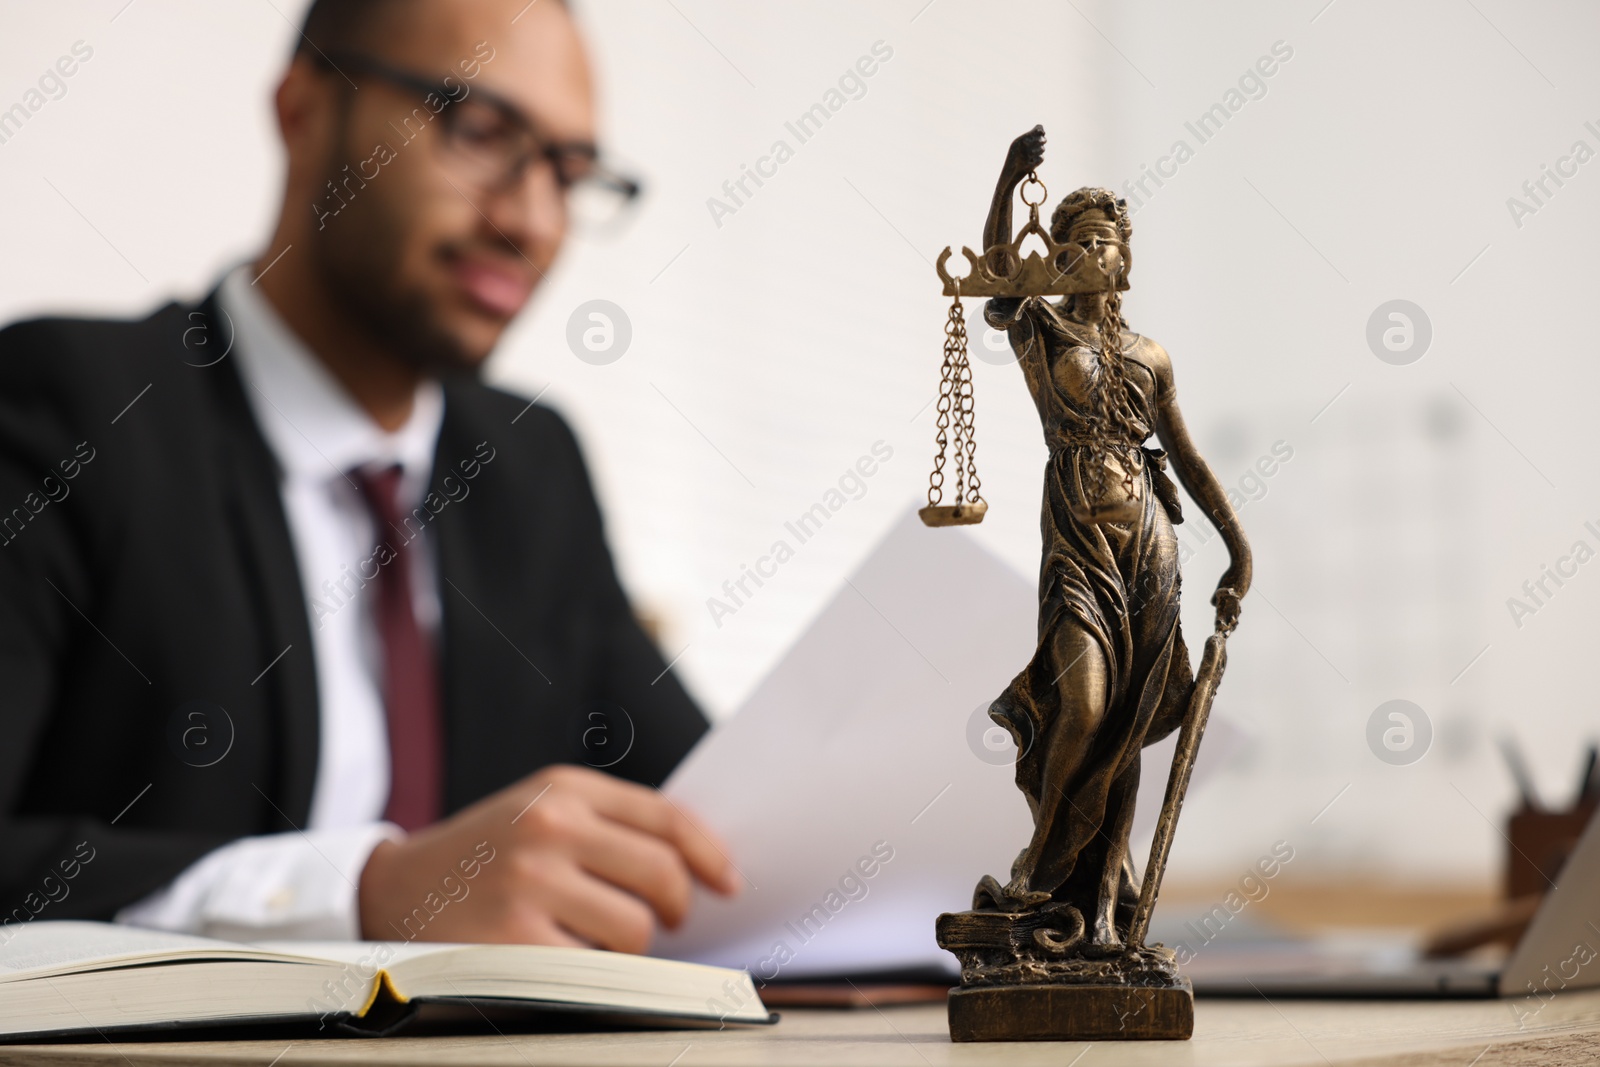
(460, 685)
(261, 532)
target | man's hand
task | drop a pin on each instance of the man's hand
(567, 856)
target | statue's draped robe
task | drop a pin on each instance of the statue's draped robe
(1117, 582)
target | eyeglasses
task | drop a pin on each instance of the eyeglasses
(494, 145)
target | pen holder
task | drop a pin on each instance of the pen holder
(1540, 842)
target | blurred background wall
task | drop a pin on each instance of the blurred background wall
(1337, 157)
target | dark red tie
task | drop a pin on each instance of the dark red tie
(410, 673)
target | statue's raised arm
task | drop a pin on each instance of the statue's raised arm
(1023, 157)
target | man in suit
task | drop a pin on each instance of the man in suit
(304, 631)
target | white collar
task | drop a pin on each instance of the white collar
(313, 426)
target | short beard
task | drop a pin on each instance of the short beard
(361, 277)
(357, 257)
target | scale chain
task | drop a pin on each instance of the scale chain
(956, 423)
(954, 354)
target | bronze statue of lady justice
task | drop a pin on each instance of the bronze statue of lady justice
(1058, 951)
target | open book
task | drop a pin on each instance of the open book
(65, 977)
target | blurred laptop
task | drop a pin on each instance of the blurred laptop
(1559, 950)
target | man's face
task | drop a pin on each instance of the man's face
(430, 254)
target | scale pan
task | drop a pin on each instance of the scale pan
(953, 514)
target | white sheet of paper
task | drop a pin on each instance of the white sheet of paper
(872, 731)
(860, 735)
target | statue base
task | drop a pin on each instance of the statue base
(1031, 976)
(1072, 1013)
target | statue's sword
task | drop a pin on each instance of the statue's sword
(1206, 680)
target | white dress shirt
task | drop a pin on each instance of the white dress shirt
(303, 884)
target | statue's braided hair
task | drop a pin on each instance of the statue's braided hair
(1115, 422)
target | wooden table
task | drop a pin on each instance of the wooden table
(1285, 1033)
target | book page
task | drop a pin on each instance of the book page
(545, 974)
(361, 953)
(36, 949)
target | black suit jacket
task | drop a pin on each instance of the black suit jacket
(157, 690)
